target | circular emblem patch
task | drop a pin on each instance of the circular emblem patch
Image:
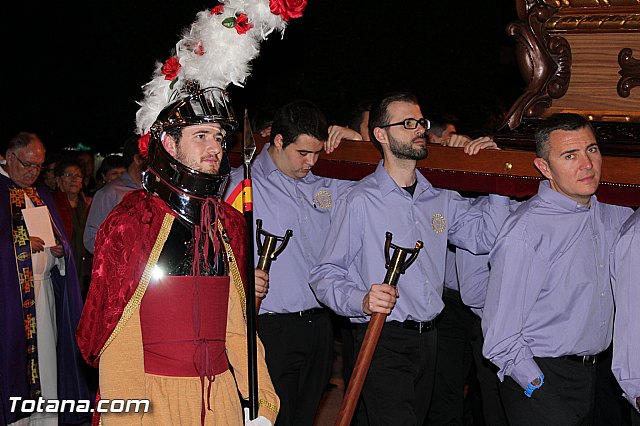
(438, 223)
(323, 199)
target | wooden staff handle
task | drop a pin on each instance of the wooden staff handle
(258, 303)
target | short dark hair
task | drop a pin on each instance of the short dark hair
(379, 113)
(67, 162)
(110, 162)
(440, 122)
(300, 117)
(21, 140)
(261, 119)
(130, 149)
(357, 115)
(558, 121)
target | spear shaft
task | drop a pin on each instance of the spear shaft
(249, 148)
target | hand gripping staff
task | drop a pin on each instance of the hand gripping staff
(248, 149)
(396, 266)
(268, 250)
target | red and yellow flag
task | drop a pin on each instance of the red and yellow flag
(241, 198)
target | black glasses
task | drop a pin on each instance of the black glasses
(34, 167)
(410, 123)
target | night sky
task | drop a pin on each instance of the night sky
(73, 71)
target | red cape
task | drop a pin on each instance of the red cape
(123, 246)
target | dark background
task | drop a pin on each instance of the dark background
(72, 71)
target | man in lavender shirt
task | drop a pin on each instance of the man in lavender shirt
(625, 270)
(295, 329)
(548, 312)
(107, 197)
(397, 199)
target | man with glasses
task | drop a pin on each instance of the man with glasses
(398, 199)
(40, 297)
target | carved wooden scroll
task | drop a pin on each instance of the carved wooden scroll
(544, 62)
(629, 71)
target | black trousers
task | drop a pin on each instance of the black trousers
(459, 349)
(611, 408)
(492, 407)
(399, 383)
(299, 355)
(566, 398)
(453, 361)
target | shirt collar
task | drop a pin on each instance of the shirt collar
(387, 184)
(266, 164)
(264, 161)
(552, 196)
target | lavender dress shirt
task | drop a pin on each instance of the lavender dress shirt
(302, 205)
(353, 255)
(450, 275)
(473, 273)
(103, 202)
(625, 276)
(549, 292)
(473, 276)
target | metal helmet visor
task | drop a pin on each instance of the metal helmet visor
(210, 105)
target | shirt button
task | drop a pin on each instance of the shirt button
(601, 265)
(602, 294)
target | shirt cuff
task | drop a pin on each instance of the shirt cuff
(355, 302)
(525, 372)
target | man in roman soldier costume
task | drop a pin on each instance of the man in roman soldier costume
(164, 316)
(165, 319)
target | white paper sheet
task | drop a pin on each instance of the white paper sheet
(38, 224)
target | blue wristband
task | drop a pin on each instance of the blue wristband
(530, 387)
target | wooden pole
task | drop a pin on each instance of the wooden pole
(396, 266)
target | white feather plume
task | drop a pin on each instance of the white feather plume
(225, 59)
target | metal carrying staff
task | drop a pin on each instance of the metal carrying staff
(396, 266)
(268, 250)
(248, 149)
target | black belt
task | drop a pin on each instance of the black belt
(583, 359)
(449, 292)
(420, 327)
(305, 313)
